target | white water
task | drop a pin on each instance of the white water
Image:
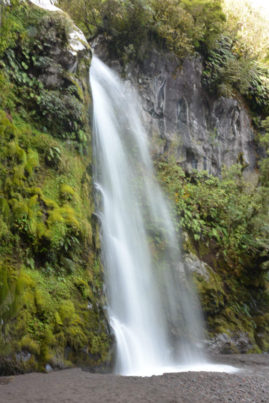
(152, 308)
(46, 4)
(77, 40)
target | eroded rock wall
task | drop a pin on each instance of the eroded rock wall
(186, 123)
(198, 130)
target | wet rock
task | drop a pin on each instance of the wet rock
(23, 356)
(198, 130)
(48, 368)
(195, 265)
(226, 344)
(17, 363)
(10, 366)
(52, 79)
(59, 55)
(186, 123)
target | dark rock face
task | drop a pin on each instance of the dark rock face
(186, 123)
(225, 344)
(54, 52)
(61, 68)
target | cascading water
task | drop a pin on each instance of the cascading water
(152, 308)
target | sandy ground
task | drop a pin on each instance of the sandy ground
(251, 384)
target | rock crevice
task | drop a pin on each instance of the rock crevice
(185, 122)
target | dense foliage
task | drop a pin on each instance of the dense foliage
(227, 73)
(50, 274)
(250, 26)
(178, 25)
(184, 27)
(51, 294)
(226, 219)
(227, 222)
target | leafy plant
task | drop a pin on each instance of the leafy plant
(217, 211)
(179, 25)
(225, 71)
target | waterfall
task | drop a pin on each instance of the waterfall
(153, 310)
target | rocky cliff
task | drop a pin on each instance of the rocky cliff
(186, 123)
(193, 130)
(52, 295)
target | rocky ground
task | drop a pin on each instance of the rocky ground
(251, 384)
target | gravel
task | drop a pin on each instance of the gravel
(250, 384)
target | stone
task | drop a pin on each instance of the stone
(23, 356)
(48, 368)
(199, 131)
(195, 265)
(185, 123)
(226, 344)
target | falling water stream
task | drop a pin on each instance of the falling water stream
(152, 308)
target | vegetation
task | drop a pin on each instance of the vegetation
(250, 26)
(227, 225)
(186, 27)
(51, 294)
(226, 219)
(228, 73)
(179, 25)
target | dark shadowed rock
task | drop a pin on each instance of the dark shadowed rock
(195, 265)
(198, 130)
(185, 122)
(225, 344)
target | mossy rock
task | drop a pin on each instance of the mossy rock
(51, 298)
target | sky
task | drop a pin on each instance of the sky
(263, 5)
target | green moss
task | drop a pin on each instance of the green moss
(222, 228)
(51, 294)
(50, 320)
(67, 192)
(28, 344)
(67, 312)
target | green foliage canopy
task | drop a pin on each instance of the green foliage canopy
(178, 25)
(184, 27)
